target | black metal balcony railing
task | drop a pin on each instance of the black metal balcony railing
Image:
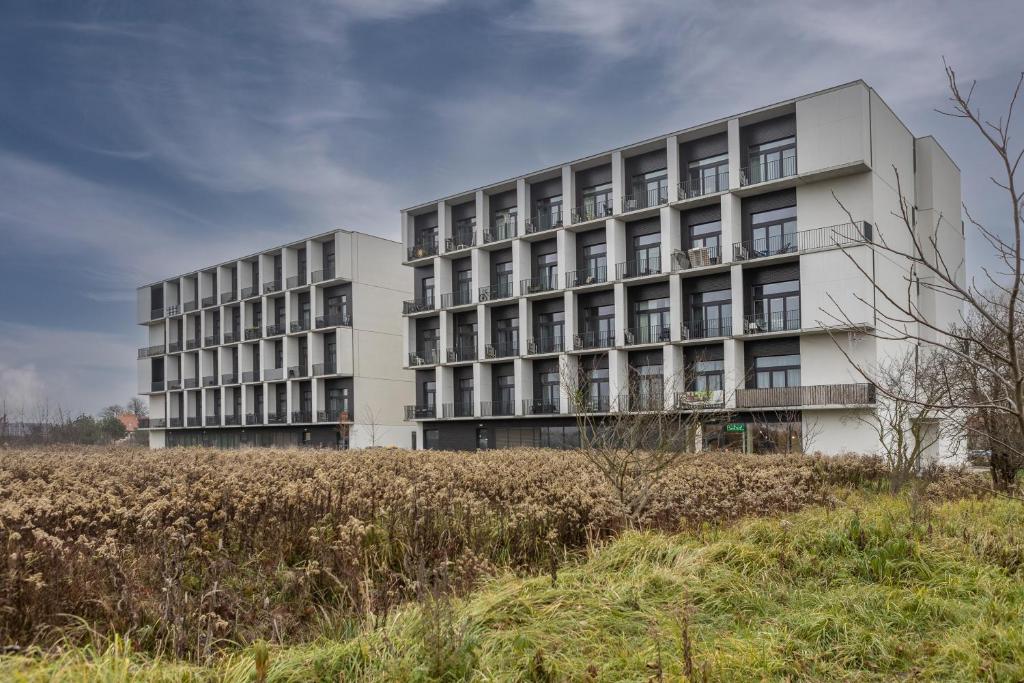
(229, 378)
(209, 301)
(500, 290)
(702, 185)
(272, 286)
(174, 422)
(593, 404)
(277, 418)
(460, 297)
(461, 239)
(449, 410)
(651, 334)
(416, 412)
(210, 340)
(335, 319)
(232, 420)
(273, 374)
(210, 380)
(816, 395)
(588, 276)
(540, 283)
(762, 170)
(421, 305)
(174, 347)
(548, 344)
(274, 330)
(147, 351)
(191, 382)
(228, 296)
(644, 198)
(462, 353)
(157, 423)
(158, 385)
(696, 257)
(323, 275)
(333, 416)
(253, 419)
(593, 340)
(592, 210)
(173, 384)
(252, 333)
(781, 321)
(427, 355)
(497, 408)
(544, 221)
(502, 231)
(250, 376)
(143, 423)
(189, 306)
(232, 336)
(156, 313)
(194, 421)
(302, 416)
(328, 368)
(844, 234)
(301, 325)
(502, 349)
(250, 292)
(422, 250)
(213, 420)
(297, 371)
(191, 344)
(708, 327)
(638, 268)
(539, 406)
(641, 402)
(294, 281)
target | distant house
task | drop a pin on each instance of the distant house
(130, 421)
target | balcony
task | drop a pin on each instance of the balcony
(829, 237)
(641, 402)
(505, 349)
(147, 351)
(297, 371)
(323, 275)
(300, 416)
(333, 416)
(253, 419)
(589, 276)
(195, 422)
(157, 423)
(158, 385)
(189, 306)
(210, 381)
(327, 368)
(460, 297)
(191, 344)
(541, 345)
(417, 412)
(156, 313)
(277, 418)
(296, 281)
(591, 211)
(502, 290)
(698, 257)
(462, 354)
(232, 420)
(502, 231)
(593, 340)
(250, 376)
(275, 330)
(462, 238)
(703, 185)
(143, 423)
(333, 320)
(764, 323)
(422, 249)
(593, 404)
(299, 325)
(425, 356)
(250, 292)
(174, 347)
(174, 422)
(272, 286)
(816, 395)
(191, 382)
(252, 333)
(544, 221)
(653, 334)
(763, 170)
(538, 284)
(173, 385)
(422, 305)
(538, 406)
(210, 340)
(228, 297)
(450, 410)
(212, 421)
(273, 374)
(209, 301)
(707, 328)
(232, 337)
(229, 378)
(695, 400)
(638, 268)
(644, 198)
(497, 408)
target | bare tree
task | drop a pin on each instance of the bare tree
(137, 407)
(371, 424)
(985, 342)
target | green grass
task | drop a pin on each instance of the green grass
(857, 593)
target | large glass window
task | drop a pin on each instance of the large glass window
(772, 372)
(506, 388)
(772, 160)
(708, 175)
(506, 336)
(464, 398)
(710, 314)
(776, 307)
(597, 389)
(428, 394)
(428, 345)
(597, 201)
(648, 387)
(463, 287)
(646, 255)
(505, 223)
(550, 331)
(707, 375)
(465, 341)
(773, 232)
(705, 244)
(651, 321)
(503, 279)
(595, 263)
(549, 394)
(649, 189)
(547, 271)
(599, 325)
(549, 212)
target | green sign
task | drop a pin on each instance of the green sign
(735, 427)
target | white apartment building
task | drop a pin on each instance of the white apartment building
(294, 345)
(712, 264)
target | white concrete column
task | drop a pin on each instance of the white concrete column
(618, 376)
(615, 239)
(482, 218)
(445, 336)
(676, 307)
(674, 370)
(618, 181)
(480, 261)
(738, 303)
(481, 385)
(671, 237)
(521, 266)
(525, 323)
(732, 225)
(568, 372)
(483, 330)
(522, 368)
(522, 205)
(445, 386)
(444, 224)
(407, 232)
(566, 253)
(568, 195)
(672, 166)
(571, 320)
(733, 132)
(621, 313)
(732, 377)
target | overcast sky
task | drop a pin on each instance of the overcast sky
(139, 140)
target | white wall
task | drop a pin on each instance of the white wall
(832, 129)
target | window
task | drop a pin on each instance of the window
(649, 189)
(462, 231)
(503, 279)
(776, 307)
(506, 395)
(303, 352)
(464, 398)
(772, 160)
(428, 394)
(328, 257)
(547, 271)
(599, 325)
(504, 223)
(301, 266)
(646, 255)
(708, 175)
(771, 372)
(463, 287)
(595, 263)
(710, 314)
(506, 336)
(337, 309)
(597, 389)
(706, 237)
(427, 347)
(427, 291)
(708, 375)
(648, 387)
(549, 212)
(550, 331)
(773, 232)
(278, 354)
(279, 312)
(465, 341)
(651, 321)
(331, 352)
(304, 310)
(549, 392)
(431, 439)
(277, 267)
(597, 201)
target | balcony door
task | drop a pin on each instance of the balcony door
(777, 306)
(464, 399)
(710, 313)
(599, 325)
(503, 279)
(550, 331)
(597, 388)
(597, 200)
(506, 395)
(772, 160)
(547, 271)
(708, 375)
(549, 391)
(337, 402)
(650, 189)
(651, 321)
(463, 287)
(595, 263)
(331, 352)
(705, 243)
(506, 334)
(429, 396)
(427, 291)
(709, 175)
(465, 340)
(337, 308)
(549, 212)
(648, 383)
(773, 232)
(646, 254)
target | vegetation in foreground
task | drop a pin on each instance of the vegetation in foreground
(875, 588)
